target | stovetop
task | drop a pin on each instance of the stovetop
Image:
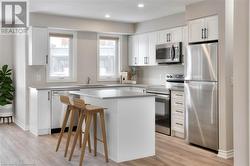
(173, 81)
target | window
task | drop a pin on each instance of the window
(61, 66)
(108, 61)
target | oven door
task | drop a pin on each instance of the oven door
(163, 114)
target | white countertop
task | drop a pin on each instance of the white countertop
(110, 93)
(84, 86)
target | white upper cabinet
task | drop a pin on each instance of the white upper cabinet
(170, 35)
(143, 49)
(133, 50)
(195, 29)
(212, 27)
(204, 29)
(152, 40)
(176, 35)
(163, 37)
(38, 46)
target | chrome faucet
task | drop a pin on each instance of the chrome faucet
(88, 81)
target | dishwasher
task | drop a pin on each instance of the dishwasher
(58, 110)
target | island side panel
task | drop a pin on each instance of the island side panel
(111, 126)
(136, 128)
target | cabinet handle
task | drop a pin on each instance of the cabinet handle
(178, 95)
(179, 111)
(206, 33)
(48, 95)
(202, 33)
(135, 60)
(47, 59)
(170, 37)
(179, 124)
(178, 103)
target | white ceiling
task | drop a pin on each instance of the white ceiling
(119, 10)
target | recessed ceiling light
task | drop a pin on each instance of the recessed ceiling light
(140, 5)
(107, 15)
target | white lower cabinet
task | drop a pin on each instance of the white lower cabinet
(177, 114)
(39, 111)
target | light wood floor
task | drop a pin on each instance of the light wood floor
(22, 148)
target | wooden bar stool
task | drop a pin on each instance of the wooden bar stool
(89, 112)
(70, 111)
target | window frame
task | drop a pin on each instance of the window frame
(73, 57)
(119, 43)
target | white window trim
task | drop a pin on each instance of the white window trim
(74, 56)
(109, 79)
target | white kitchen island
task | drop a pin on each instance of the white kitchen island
(129, 119)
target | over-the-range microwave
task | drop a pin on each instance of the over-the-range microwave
(169, 53)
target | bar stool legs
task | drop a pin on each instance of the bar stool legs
(72, 116)
(89, 116)
(66, 117)
(78, 132)
(95, 133)
(86, 136)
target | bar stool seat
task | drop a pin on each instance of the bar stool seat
(89, 112)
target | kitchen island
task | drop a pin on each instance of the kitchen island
(129, 119)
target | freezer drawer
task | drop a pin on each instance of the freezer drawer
(201, 62)
(202, 113)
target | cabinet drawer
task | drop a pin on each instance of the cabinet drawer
(178, 104)
(178, 113)
(178, 96)
(178, 125)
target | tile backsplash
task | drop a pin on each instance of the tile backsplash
(156, 74)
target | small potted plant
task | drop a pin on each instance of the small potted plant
(6, 92)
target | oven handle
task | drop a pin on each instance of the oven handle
(163, 97)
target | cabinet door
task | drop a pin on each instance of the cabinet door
(38, 46)
(163, 37)
(176, 34)
(211, 24)
(44, 113)
(130, 51)
(133, 50)
(143, 49)
(152, 40)
(195, 30)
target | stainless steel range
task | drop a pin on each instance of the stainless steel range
(163, 102)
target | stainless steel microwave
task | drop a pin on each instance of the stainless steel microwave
(169, 53)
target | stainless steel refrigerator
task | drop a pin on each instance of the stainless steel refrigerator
(201, 95)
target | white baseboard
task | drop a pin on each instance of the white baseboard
(38, 132)
(226, 154)
(21, 125)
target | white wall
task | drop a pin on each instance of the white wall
(20, 53)
(86, 61)
(6, 50)
(241, 81)
(161, 23)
